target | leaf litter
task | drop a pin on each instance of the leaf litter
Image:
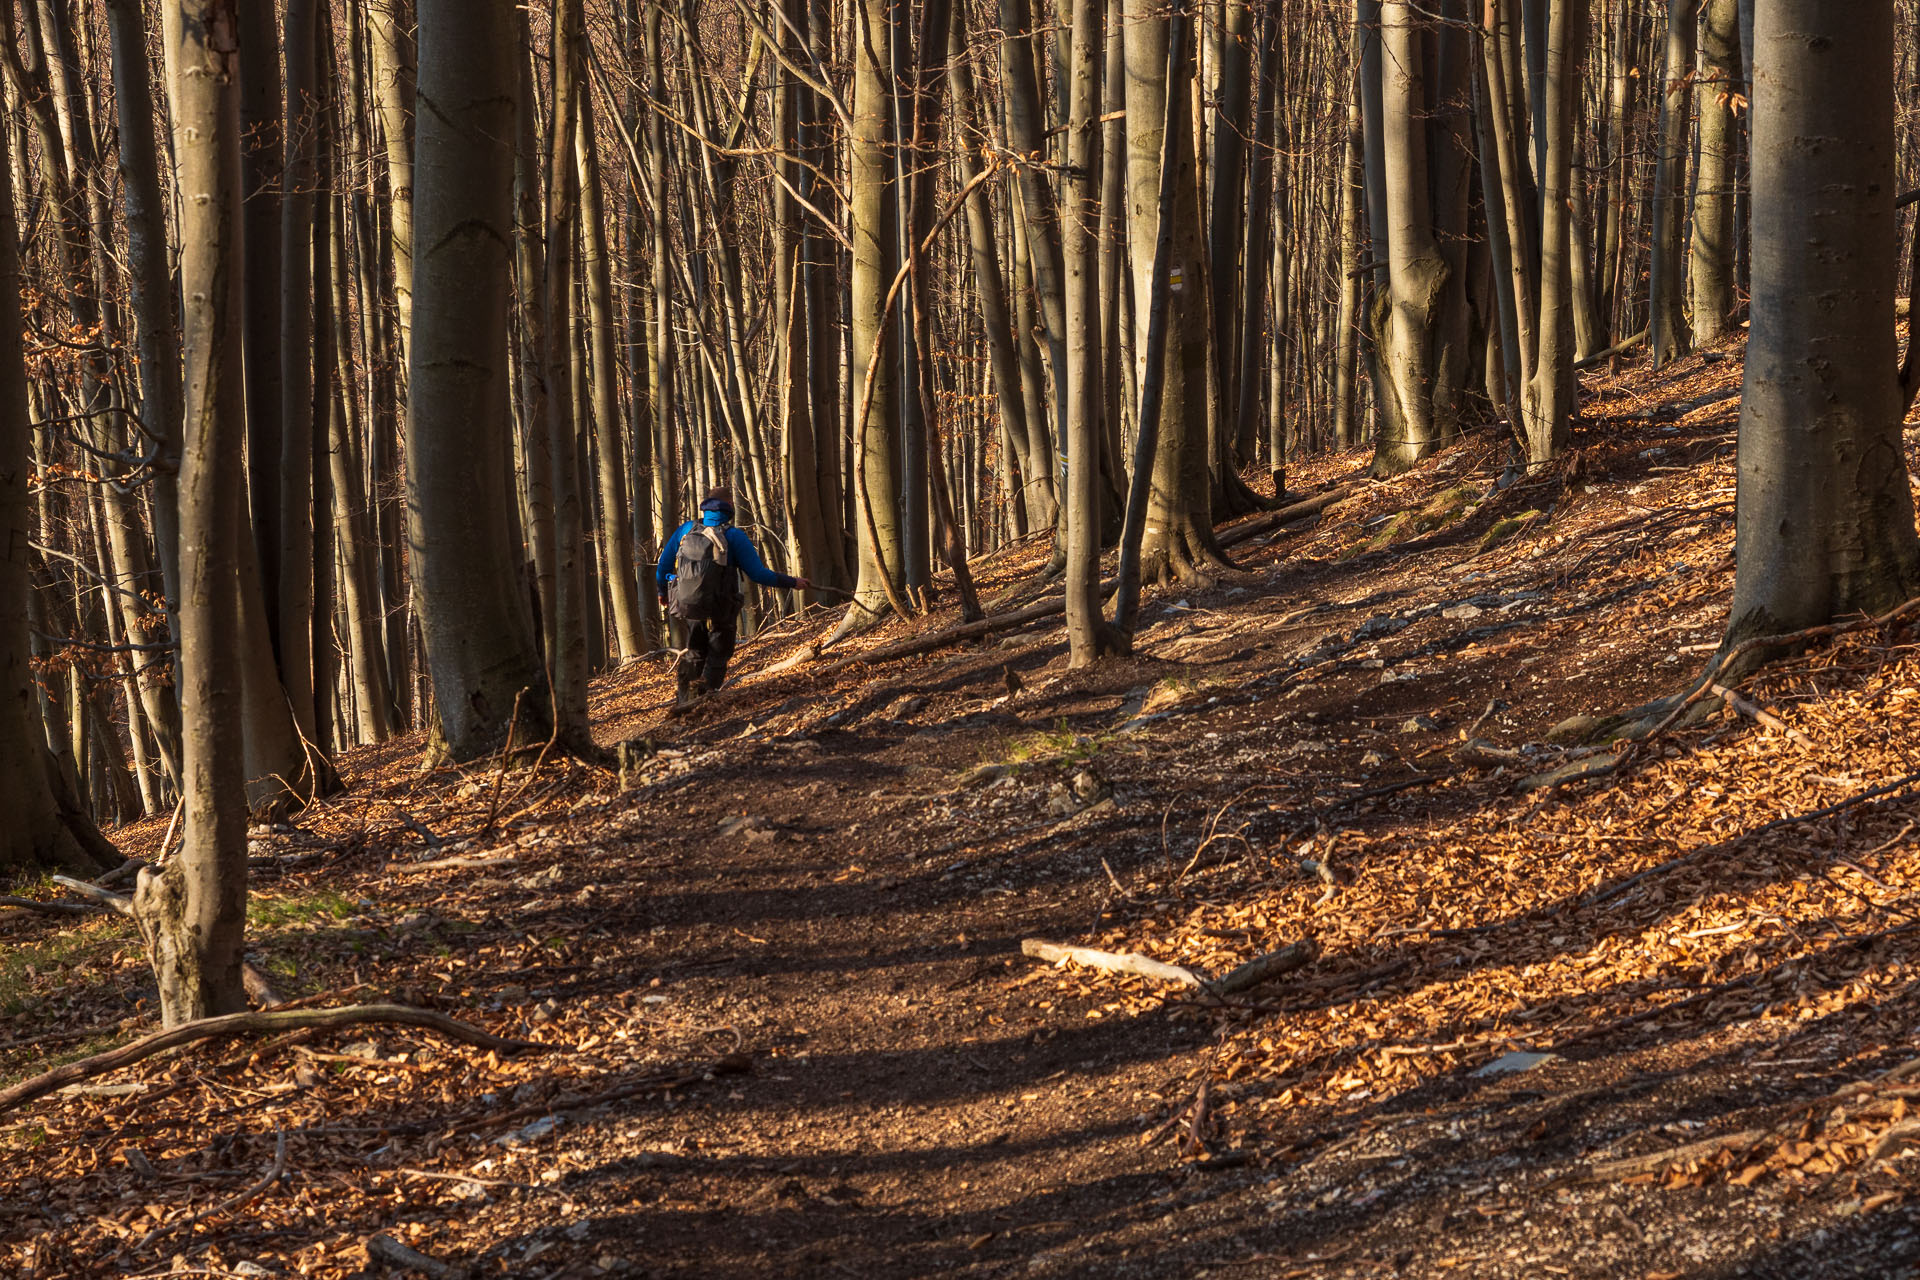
(783, 961)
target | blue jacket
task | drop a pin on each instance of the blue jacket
(740, 554)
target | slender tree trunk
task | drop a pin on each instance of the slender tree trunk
(616, 528)
(391, 24)
(1088, 636)
(1668, 336)
(1717, 80)
(193, 915)
(875, 342)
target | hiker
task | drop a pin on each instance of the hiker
(699, 580)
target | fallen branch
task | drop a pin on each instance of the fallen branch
(1655, 1161)
(386, 1249)
(917, 645)
(235, 1024)
(1286, 515)
(94, 893)
(1600, 357)
(1754, 711)
(1112, 962)
(48, 908)
(239, 1199)
(1295, 955)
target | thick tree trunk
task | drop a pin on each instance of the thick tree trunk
(1825, 524)
(1422, 363)
(1178, 541)
(474, 612)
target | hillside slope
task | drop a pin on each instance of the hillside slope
(786, 947)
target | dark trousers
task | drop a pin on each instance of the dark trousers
(709, 649)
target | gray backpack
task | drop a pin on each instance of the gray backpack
(705, 584)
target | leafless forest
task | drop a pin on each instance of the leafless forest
(369, 352)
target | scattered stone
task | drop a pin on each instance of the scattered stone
(1381, 625)
(1462, 612)
(745, 824)
(532, 1133)
(1372, 760)
(1420, 724)
(904, 707)
(1511, 1063)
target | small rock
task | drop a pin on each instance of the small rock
(579, 1231)
(250, 1268)
(1509, 1063)
(742, 823)
(902, 708)
(1372, 760)
(532, 1133)
(1060, 802)
(1420, 724)
(1090, 788)
(1462, 612)
(1382, 625)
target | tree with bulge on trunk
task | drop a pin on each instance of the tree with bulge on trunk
(193, 915)
(476, 619)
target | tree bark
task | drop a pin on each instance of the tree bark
(474, 616)
(1825, 523)
(1668, 335)
(193, 915)
(1717, 80)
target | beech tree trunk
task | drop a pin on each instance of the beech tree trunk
(194, 914)
(1668, 335)
(474, 611)
(1717, 80)
(1825, 523)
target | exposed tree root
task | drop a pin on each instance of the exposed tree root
(235, 1024)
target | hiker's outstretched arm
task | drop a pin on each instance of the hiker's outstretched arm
(752, 565)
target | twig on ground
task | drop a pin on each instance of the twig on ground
(1754, 711)
(238, 1200)
(384, 1248)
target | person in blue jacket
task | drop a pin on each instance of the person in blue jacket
(711, 638)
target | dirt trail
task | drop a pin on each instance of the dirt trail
(807, 1043)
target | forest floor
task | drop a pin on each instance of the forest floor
(802, 1038)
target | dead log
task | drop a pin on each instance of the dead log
(236, 1024)
(1287, 515)
(1295, 955)
(1112, 962)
